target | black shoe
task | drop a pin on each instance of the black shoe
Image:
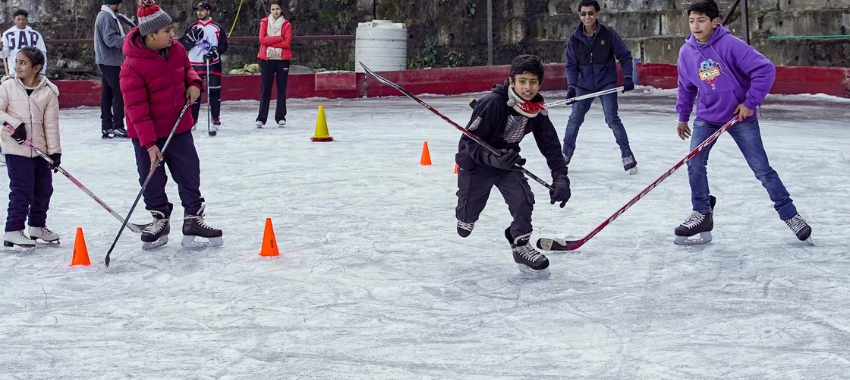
(216, 121)
(120, 133)
(106, 134)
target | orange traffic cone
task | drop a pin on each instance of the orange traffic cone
(269, 242)
(81, 253)
(426, 155)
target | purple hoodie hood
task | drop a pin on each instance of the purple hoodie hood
(725, 72)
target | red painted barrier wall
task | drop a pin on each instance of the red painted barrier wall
(789, 80)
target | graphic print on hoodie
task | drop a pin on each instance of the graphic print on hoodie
(724, 72)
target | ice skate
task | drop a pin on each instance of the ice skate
(44, 234)
(155, 234)
(120, 133)
(194, 227)
(216, 122)
(17, 239)
(464, 229)
(281, 123)
(699, 225)
(528, 259)
(800, 228)
(259, 124)
(630, 164)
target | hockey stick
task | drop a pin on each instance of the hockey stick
(209, 122)
(462, 129)
(137, 228)
(583, 97)
(147, 179)
(549, 244)
(473, 102)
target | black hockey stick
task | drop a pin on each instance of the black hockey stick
(148, 179)
(549, 244)
(462, 129)
(137, 228)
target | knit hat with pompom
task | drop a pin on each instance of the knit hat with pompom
(151, 17)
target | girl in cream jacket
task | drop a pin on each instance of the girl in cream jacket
(29, 113)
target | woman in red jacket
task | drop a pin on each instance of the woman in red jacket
(157, 80)
(275, 37)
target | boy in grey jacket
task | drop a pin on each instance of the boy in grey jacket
(108, 41)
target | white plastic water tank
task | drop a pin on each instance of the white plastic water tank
(381, 45)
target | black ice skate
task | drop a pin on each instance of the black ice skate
(800, 228)
(120, 133)
(464, 229)
(216, 121)
(630, 164)
(44, 234)
(194, 227)
(696, 224)
(528, 259)
(155, 234)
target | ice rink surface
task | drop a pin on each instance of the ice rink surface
(374, 283)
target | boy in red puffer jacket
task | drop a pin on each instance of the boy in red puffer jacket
(158, 80)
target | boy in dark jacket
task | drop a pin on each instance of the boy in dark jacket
(731, 78)
(592, 54)
(501, 119)
(157, 81)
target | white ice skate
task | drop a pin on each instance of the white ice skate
(44, 234)
(259, 124)
(17, 239)
(281, 123)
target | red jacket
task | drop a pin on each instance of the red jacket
(275, 42)
(154, 89)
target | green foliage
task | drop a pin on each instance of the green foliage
(427, 57)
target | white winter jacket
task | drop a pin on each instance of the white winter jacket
(39, 112)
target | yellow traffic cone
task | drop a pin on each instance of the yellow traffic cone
(321, 128)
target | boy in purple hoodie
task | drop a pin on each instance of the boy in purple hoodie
(731, 78)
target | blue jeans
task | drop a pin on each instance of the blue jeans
(748, 138)
(609, 108)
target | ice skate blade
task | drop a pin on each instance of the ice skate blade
(701, 238)
(147, 246)
(9, 244)
(543, 273)
(633, 171)
(189, 242)
(809, 240)
(45, 242)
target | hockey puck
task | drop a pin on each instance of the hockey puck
(213, 133)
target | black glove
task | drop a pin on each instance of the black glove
(562, 194)
(195, 34)
(628, 85)
(57, 160)
(212, 55)
(571, 93)
(20, 134)
(508, 159)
